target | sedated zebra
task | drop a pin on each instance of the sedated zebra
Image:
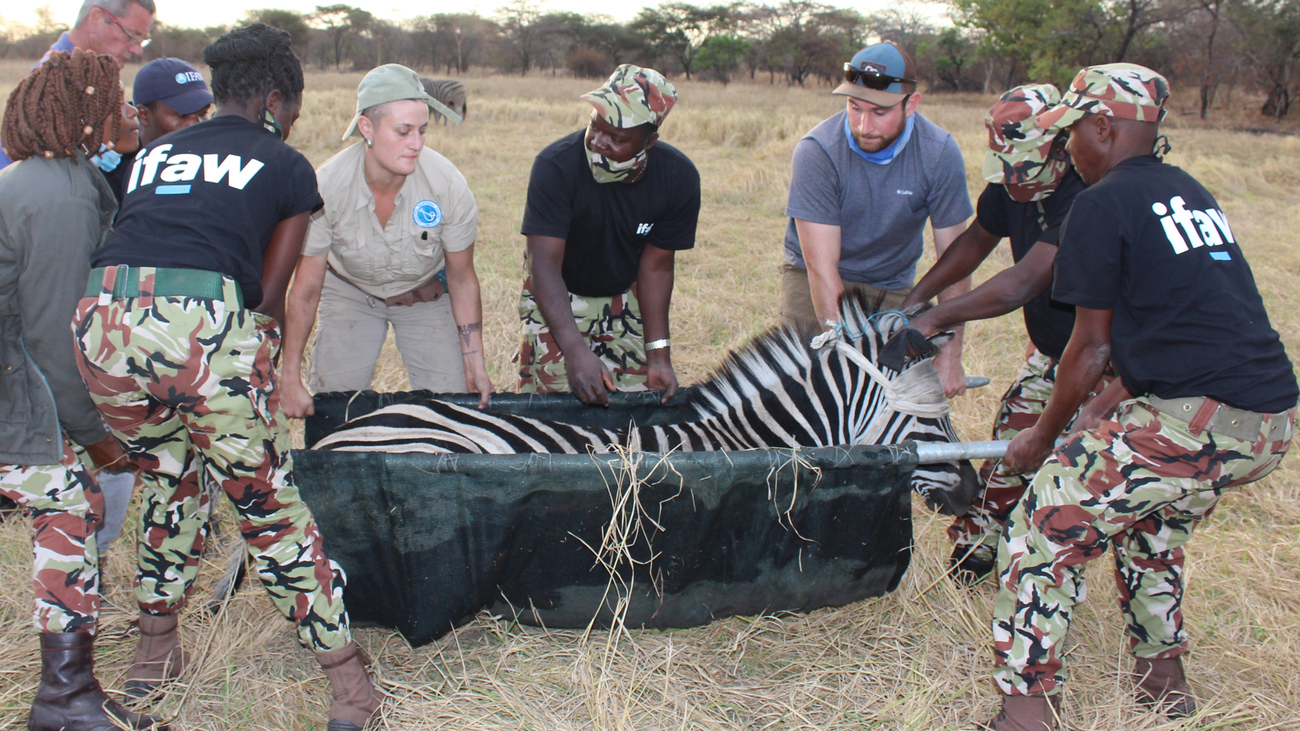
(778, 391)
(448, 91)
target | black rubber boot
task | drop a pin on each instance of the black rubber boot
(970, 565)
(70, 697)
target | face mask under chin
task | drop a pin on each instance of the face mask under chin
(605, 170)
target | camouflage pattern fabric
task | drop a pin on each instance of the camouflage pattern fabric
(66, 506)
(633, 96)
(188, 383)
(1141, 484)
(1001, 489)
(1019, 153)
(1120, 90)
(611, 327)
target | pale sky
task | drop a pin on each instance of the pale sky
(195, 13)
(200, 13)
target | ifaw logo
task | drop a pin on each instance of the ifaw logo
(1188, 230)
(184, 168)
(643, 229)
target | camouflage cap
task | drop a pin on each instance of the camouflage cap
(1019, 152)
(1120, 90)
(633, 96)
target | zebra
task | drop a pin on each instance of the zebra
(448, 91)
(858, 385)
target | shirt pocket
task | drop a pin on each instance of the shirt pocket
(351, 246)
(426, 251)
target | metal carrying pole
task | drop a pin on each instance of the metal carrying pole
(929, 452)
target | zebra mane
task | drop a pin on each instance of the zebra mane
(784, 351)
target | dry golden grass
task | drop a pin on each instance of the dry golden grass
(917, 659)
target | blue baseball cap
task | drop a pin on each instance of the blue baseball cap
(882, 74)
(173, 82)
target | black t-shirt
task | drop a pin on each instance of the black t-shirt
(1049, 323)
(606, 226)
(1151, 243)
(210, 201)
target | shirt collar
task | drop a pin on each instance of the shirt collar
(887, 155)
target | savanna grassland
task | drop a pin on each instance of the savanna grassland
(916, 659)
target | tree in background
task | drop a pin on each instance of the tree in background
(520, 32)
(341, 24)
(721, 55)
(678, 30)
(289, 21)
(1271, 39)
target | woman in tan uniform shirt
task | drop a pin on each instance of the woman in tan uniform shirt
(393, 245)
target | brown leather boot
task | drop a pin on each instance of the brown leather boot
(1026, 713)
(70, 697)
(158, 655)
(1161, 684)
(355, 698)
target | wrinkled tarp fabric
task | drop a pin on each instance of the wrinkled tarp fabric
(430, 540)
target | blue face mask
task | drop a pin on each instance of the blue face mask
(107, 160)
(887, 155)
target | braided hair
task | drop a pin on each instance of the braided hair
(63, 107)
(250, 62)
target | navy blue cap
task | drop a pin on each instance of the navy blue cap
(173, 82)
(885, 59)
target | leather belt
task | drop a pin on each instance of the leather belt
(1202, 414)
(430, 291)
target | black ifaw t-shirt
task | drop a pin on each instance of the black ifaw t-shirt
(606, 226)
(1151, 243)
(209, 197)
(1049, 323)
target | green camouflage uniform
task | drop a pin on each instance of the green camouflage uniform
(1141, 484)
(610, 326)
(1000, 489)
(187, 380)
(66, 506)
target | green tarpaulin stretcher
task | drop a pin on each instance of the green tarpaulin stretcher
(428, 541)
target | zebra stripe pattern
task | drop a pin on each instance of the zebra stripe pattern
(449, 92)
(438, 427)
(778, 391)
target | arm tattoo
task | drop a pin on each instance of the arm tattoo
(466, 331)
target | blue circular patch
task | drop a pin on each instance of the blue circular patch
(427, 214)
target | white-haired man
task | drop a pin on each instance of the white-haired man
(118, 28)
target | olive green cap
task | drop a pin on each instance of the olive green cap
(390, 83)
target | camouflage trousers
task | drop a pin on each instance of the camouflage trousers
(611, 327)
(188, 384)
(1001, 489)
(1140, 484)
(66, 505)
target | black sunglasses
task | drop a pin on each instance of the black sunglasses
(872, 79)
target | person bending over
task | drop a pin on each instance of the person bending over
(1031, 187)
(394, 245)
(1161, 288)
(179, 336)
(55, 207)
(608, 208)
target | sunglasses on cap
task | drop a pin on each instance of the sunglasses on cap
(871, 78)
